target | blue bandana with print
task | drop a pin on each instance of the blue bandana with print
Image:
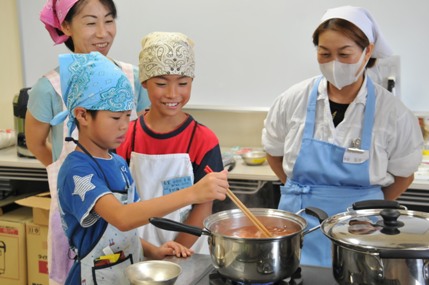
(93, 82)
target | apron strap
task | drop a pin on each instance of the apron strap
(311, 111)
(54, 78)
(368, 113)
(368, 122)
(133, 137)
(192, 137)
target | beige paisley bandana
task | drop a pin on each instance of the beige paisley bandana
(166, 53)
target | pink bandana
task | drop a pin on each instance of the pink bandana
(53, 15)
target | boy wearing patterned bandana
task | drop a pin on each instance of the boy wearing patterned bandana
(82, 26)
(167, 149)
(99, 207)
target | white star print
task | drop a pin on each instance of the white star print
(82, 185)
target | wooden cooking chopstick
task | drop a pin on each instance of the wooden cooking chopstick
(244, 209)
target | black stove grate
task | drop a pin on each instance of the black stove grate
(217, 279)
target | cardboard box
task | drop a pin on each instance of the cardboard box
(37, 254)
(13, 253)
(40, 204)
(8, 204)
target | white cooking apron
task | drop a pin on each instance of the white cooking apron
(158, 175)
(113, 241)
(60, 259)
(329, 177)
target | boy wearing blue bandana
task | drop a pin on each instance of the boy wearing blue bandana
(99, 207)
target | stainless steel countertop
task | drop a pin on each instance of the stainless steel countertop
(194, 268)
(197, 268)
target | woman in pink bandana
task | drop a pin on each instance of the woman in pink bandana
(83, 26)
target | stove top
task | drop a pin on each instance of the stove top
(198, 270)
(216, 279)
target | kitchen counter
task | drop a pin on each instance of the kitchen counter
(264, 172)
(241, 170)
(254, 172)
(10, 158)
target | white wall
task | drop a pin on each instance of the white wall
(248, 52)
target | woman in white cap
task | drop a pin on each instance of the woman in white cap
(83, 26)
(340, 138)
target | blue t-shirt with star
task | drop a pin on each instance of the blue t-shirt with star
(81, 182)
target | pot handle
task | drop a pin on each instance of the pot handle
(170, 225)
(377, 204)
(315, 212)
(404, 254)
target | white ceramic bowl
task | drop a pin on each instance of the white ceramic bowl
(153, 272)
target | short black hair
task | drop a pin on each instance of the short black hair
(92, 113)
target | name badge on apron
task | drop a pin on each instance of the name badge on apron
(177, 183)
(355, 155)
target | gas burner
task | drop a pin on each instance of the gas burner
(217, 279)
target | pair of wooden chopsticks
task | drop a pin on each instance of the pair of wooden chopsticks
(243, 208)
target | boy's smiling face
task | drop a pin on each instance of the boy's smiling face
(168, 93)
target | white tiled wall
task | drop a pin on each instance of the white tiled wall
(233, 128)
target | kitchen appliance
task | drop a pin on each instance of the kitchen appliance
(198, 270)
(19, 109)
(379, 242)
(251, 260)
(386, 72)
(215, 278)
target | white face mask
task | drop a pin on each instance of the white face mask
(342, 74)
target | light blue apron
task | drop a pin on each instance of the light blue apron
(329, 177)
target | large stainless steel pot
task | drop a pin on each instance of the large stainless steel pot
(379, 242)
(253, 260)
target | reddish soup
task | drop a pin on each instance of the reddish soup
(244, 229)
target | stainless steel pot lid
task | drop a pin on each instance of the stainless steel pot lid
(380, 230)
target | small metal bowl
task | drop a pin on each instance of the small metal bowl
(254, 157)
(153, 272)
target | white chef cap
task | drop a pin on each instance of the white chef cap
(361, 18)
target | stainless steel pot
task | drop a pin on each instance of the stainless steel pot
(379, 242)
(253, 260)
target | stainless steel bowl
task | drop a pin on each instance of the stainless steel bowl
(254, 157)
(153, 272)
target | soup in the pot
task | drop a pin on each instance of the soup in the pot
(253, 232)
(243, 228)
